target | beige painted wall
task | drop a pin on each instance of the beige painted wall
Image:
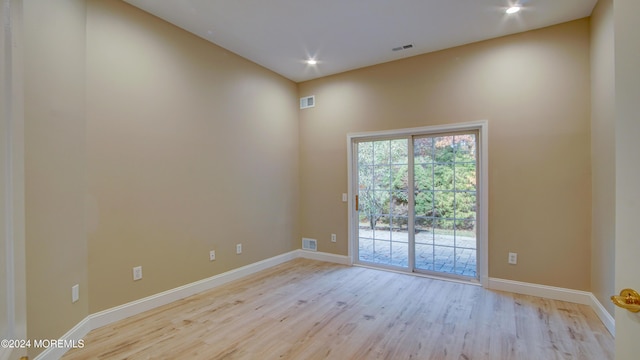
(533, 88)
(190, 148)
(603, 153)
(55, 166)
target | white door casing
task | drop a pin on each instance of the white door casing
(12, 243)
(627, 173)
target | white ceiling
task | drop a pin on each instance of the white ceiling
(349, 34)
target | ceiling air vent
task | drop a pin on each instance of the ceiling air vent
(307, 102)
(403, 47)
(309, 244)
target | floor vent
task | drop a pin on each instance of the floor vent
(309, 244)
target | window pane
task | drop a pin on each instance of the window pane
(382, 252)
(424, 257)
(399, 150)
(444, 202)
(399, 228)
(423, 226)
(465, 205)
(423, 151)
(381, 177)
(399, 253)
(423, 176)
(465, 176)
(443, 233)
(400, 204)
(465, 147)
(400, 177)
(373, 204)
(443, 176)
(365, 153)
(424, 203)
(365, 177)
(466, 262)
(381, 152)
(364, 221)
(443, 149)
(443, 258)
(466, 234)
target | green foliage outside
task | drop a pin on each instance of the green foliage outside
(444, 176)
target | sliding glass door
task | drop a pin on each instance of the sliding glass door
(416, 202)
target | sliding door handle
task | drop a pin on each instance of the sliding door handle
(357, 204)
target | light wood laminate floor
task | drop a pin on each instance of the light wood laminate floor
(307, 309)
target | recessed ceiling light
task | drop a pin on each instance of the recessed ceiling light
(513, 9)
(311, 62)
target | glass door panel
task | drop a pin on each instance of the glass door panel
(445, 168)
(383, 202)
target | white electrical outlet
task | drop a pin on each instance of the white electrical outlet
(75, 293)
(137, 273)
(212, 255)
(513, 258)
(333, 237)
(239, 249)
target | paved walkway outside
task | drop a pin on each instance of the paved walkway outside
(434, 252)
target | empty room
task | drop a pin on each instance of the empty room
(216, 179)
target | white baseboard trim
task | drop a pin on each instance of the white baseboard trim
(545, 291)
(72, 336)
(123, 311)
(556, 293)
(117, 313)
(322, 256)
(606, 318)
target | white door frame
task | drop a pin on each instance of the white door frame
(627, 171)
(12, 175)
(483, 189)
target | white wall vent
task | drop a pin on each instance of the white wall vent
(403, 47)
(309, 244)
(307, 102)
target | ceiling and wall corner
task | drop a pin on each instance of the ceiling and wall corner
(55, 166)
(603, 153)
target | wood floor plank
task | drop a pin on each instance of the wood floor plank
(306, 309)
